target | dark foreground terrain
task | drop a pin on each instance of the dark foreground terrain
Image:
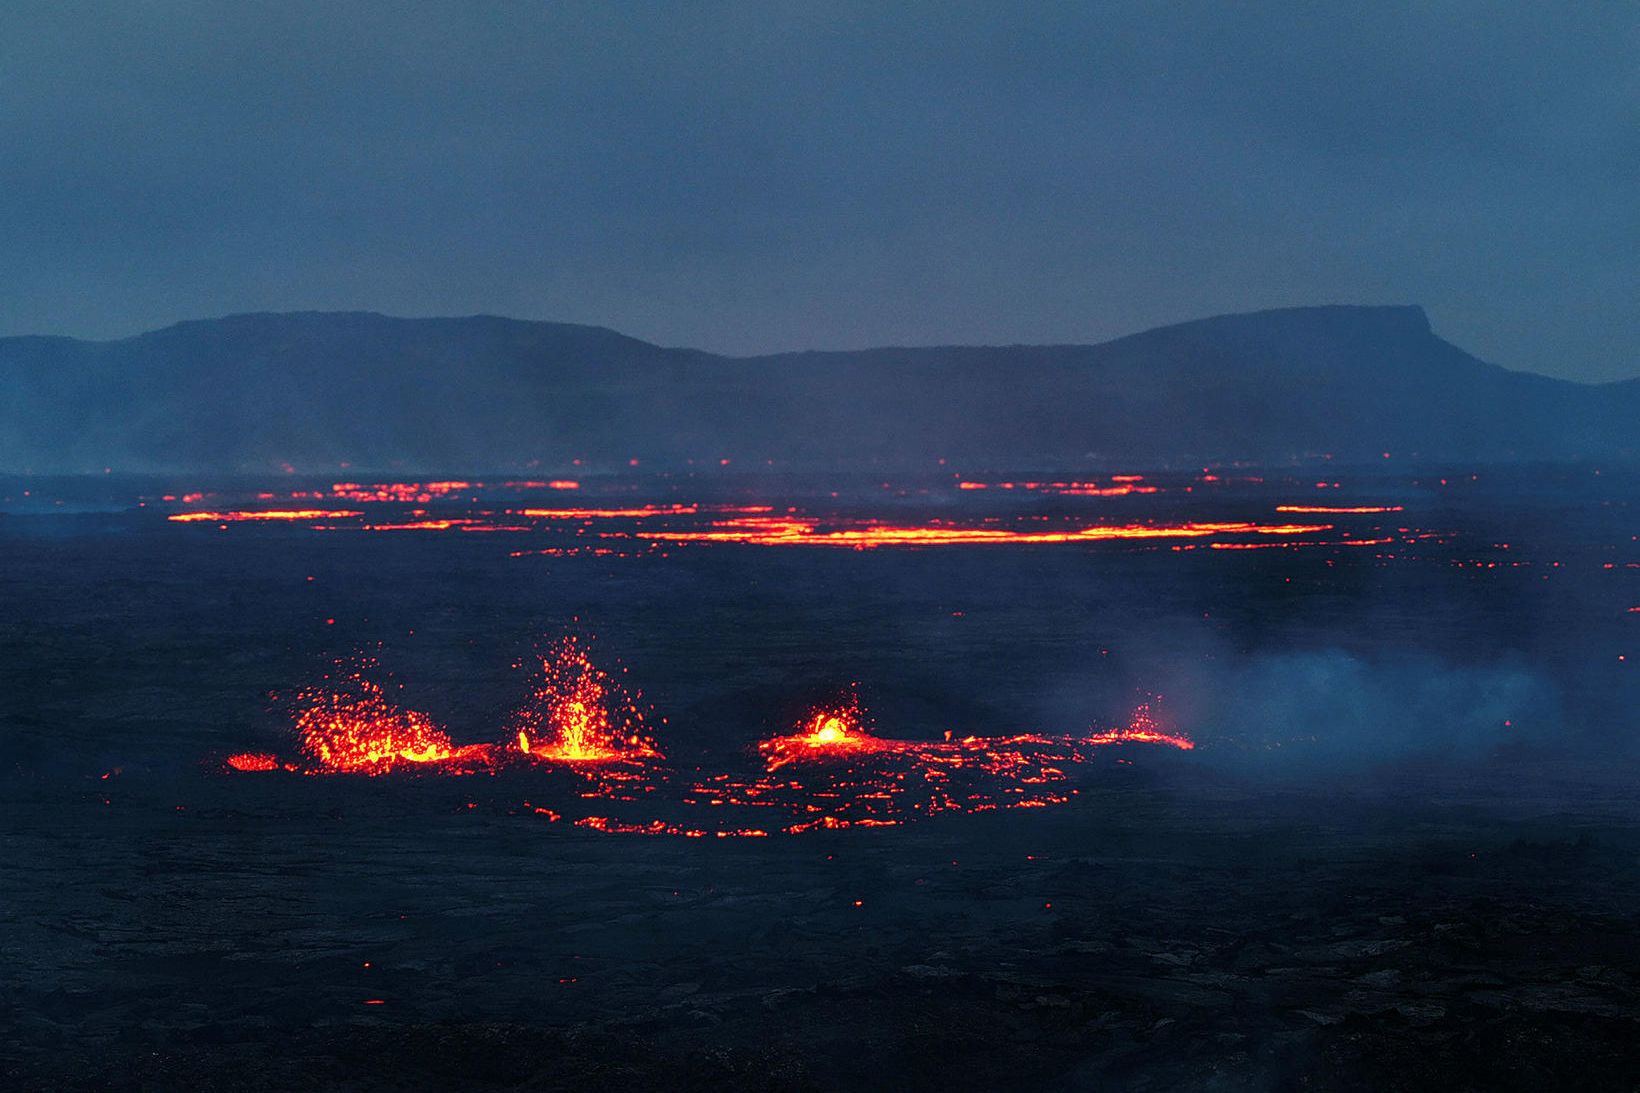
(1160, 933)
(1404, 855)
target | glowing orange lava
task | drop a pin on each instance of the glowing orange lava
(830, 731)
(253, 761)
(832, 774)
(1142, 728)
(1342, 509)
(578, 713)
(420, 492)
(788, 531)
(348, 725)
(454, 506)
(262, 515)
(586, 732)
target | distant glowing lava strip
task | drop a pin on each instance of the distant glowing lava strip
(290, 515)
(751, 525)
(777, 531)
(1340, 509)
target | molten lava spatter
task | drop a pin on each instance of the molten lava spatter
(578, 713)
(1142, 728)
(347, 724)
(252, 761)
(585, 732)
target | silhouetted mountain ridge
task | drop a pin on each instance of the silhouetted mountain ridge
(483, 392)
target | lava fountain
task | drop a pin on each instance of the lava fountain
(348, 724)
(579, 713)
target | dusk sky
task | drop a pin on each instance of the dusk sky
(749, 177)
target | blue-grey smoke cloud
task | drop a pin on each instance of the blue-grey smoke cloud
(1328, 710)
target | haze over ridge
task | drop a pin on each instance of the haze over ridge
(317, 389)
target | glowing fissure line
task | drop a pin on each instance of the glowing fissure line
(263, 514)
(1340, 509)
(831, 774)
(786, 532)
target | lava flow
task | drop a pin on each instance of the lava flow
(836, 733)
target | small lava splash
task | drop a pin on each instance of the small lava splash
(830, 732)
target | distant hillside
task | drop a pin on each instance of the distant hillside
(482, 393)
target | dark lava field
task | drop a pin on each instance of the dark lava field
(1403, 852)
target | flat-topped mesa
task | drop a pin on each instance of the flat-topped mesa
(465, 396)
(1398, 320)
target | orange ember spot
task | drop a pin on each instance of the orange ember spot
(263, 515)
(252, 761)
